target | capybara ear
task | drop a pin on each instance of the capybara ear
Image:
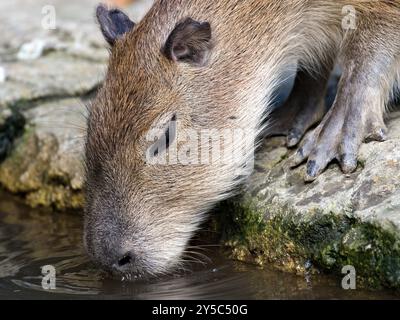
(190, 42)
(113, 23)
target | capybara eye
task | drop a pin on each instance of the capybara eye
(163, 142)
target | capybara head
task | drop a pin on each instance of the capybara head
(147, 188)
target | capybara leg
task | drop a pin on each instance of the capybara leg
(308, 99)
(281, 120)
(304, 107)
(369, 59)
(356, 115)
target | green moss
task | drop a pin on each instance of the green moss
(375, 252)
(252, 238)
(58, 197)
(26, 172)
(330, 241)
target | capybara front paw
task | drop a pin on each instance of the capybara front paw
(338, 138)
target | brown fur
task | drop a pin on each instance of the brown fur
(151, 211)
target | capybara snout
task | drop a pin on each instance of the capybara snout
(137, 247)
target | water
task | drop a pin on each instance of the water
(30, 239)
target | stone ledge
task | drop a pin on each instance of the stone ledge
(336, 221)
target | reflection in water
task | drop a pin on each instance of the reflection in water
(30, 239)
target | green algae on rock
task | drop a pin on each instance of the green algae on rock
(336, 221)
(46, 163)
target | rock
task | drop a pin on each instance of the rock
(69, 60)
(44, 68)
(32, 50)
(46, 163)
(336, 221)
(40, 68)
(75, 28)
(54, 75)
(25, 21)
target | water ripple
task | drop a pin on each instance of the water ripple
(30, 239)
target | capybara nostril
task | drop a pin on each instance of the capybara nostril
(125, 260)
